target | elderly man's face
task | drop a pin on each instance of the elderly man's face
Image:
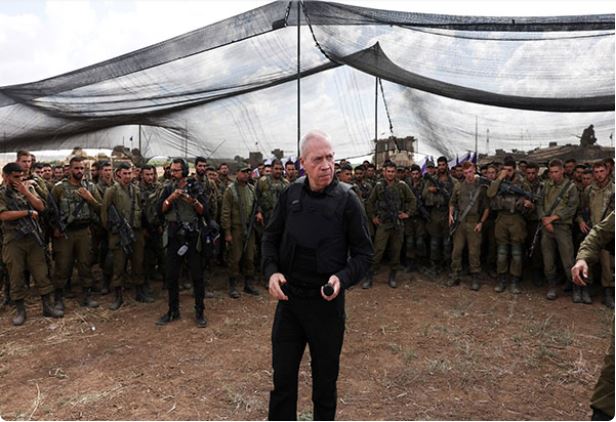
(318, 162)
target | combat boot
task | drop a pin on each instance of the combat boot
(141, 295)
(58, 300)
(392, 279)
(368, 281)
(475, 286)
(551, 294)
(200, 318)
(515, 285)
(576, 295)
(106, 285)
(20, 313)
(501, 283)
(233, 293)
(48, 309)
(586, 295)
(608, 299)
(87, 300)
(249, 287)
(168, 317)
(119, 299)
(453, 280)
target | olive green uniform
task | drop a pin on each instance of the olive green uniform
(438, 226)
(535, 262)
(560, 242)
(22, 252)
(510, 226)
(237, 204)
(601, 237)
(153, 254)
(599, 202)
(100, 239)
(213, 195)
(415, 226)
(385, 202)
(461, 199)
(127, 200)
(76, 241)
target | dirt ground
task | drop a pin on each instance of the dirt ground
(421, 351)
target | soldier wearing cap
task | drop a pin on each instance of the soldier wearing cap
(239, 208)
(415, 225)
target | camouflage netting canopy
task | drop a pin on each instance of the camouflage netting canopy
(230, 87)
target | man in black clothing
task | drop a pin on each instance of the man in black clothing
(318, 234)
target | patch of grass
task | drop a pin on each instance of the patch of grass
(438, 366)
(305, 415)
(242, 400)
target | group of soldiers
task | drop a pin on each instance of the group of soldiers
(503, 221)
(138, 227)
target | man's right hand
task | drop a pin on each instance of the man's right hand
(584, 228)
(276, 280)
(579, 272)
(376, 221)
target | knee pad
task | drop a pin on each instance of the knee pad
(502, 252)
(516, 253)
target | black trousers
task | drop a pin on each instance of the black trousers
(320, 324)
(174, 265)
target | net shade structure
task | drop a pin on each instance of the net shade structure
(232, 87)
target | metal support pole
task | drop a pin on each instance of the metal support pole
(298, 74)
(140, 138)
(476, 136)
(376, 116)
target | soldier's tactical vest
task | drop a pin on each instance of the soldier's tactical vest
(437, 199)
(75, 210)
(316, 223)
(508, 202)
(389, 201)
(128, 203)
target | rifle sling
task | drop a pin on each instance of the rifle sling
(559, 198)
(470, 204)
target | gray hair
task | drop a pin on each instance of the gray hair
(309, 137)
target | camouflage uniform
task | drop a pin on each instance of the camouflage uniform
(237, 204)
(560, 241)
(153, 254)
(599, 202)
(535, 262)
(415, 227)
(127, 201)
(100, 242)
(268, 190)
(438, 227)
(509, 230)
(600, 238)
(75, 243)
(22, 252)
(385, 202)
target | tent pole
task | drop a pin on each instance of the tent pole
(298, 74)
(140, 138)
(476, 136)
(376, 114)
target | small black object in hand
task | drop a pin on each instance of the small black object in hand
(328, 289)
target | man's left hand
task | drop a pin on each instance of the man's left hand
(335, 282)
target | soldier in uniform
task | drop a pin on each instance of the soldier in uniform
(535, 266)
(100, 239)
(597, 203)
(78, 201)
(346, 174)
(489, 235)
(469, 200)
(556, 210)
(23, 242)
(24, 159)
(389, 205)
(510, 226)
(569, 167)
(125, 197)
(223, 177)
(415, 225)
(182, 212)
(268, 190)
(601, 237)
(214, 198)
(58, 173)
(238, 204)
(362, 186)
(437, 199)
(153, 255)
(290, 171)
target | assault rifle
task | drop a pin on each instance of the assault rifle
(508, 188)
(251, 225)
(457, 217)
(53, 215)
(122, 228)
(421, 207)
(27, 225)
(549, 212)
(439, 186)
